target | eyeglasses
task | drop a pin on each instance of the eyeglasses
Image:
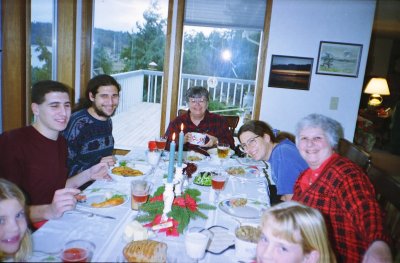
(250, 143)
(197, 100)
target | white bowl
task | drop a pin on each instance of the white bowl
(245, 250)
(214, 155)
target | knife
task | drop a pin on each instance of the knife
(90, 214)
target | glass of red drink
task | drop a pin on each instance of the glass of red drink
(161, 143)
(78, 251)
(218, 183)
(140, 190)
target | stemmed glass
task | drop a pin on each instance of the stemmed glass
(161, 142)
(217, 183)
(223, 153)
(153, 158)
(140, 190)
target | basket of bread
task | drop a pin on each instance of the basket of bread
(145, 251)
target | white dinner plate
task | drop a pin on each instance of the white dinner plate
(97, 195)
(252, 209)
(243, 172)
(194, 157)
(144, 168)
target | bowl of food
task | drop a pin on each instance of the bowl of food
(214, 154)
(246, 238)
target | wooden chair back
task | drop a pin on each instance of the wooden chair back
(354, 153)
(232, 120)
(388, 195)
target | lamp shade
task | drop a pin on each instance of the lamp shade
(377, 86)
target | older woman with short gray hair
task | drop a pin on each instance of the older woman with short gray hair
(199, 119)
(342, 192)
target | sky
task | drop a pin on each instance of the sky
(117, 15)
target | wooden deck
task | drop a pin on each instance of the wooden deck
(137, 126)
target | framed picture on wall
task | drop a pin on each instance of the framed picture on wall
(290, 72)
(339, 59)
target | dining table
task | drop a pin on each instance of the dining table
(104, 227)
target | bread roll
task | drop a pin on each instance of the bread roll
(145, 251)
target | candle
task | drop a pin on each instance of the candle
(171, 159)
(180, 148)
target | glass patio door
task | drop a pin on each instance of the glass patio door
(129, 42)
(220, 51)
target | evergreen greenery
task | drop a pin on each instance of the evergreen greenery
(182, 214)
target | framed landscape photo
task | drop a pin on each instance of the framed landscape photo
(339, 59)
(290, 72)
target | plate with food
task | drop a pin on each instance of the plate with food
(127, 171)
(102, 198)
(248, 172)
(193, 156)
(243, 207)
(203, 178)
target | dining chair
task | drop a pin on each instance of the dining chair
(387, 191)
(354, 153)
(232, 120)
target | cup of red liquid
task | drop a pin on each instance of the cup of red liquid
(217, 183)
(161, 142)
(140, 190)
(78, 250)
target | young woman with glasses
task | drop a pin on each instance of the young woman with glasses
(262, 143)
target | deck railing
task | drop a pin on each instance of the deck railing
(146, 85)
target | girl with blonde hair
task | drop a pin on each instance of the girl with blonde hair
(15, 236)
(292, 232)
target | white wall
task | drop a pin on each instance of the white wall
(297, 27)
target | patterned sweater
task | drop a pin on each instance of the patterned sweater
(88, 139)
(346, 198)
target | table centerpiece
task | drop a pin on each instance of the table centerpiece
(184, 208)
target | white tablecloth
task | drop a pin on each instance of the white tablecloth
(107, 234)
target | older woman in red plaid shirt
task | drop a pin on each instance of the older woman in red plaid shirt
(341, 191)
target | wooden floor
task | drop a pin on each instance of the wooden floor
(137, 126)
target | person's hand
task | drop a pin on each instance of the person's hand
(109, 160)
(212, 141)
(188, 137)
(99, 172)
(378, 252)
(63, 200)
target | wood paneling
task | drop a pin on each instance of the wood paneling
(164, 94)
(177, 59)
(66, 42)
(86, 41)
(261, 65)
(14, 70)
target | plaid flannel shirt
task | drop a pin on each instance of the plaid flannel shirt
(212, 124)
(346, 198)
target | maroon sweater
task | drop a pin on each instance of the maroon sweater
(33, 162)
(346, 198)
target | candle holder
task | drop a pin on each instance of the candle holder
(179, 178)
(168, 197)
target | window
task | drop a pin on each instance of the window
(43, 35)
(221, 52)
(129, 42)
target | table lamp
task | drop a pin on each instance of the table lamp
(376, 87)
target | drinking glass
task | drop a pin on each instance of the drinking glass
(78, 251)
(217, 183)
(153, 158)
(161, 142)
(195, 244)
(140, 190)
(223, 153)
